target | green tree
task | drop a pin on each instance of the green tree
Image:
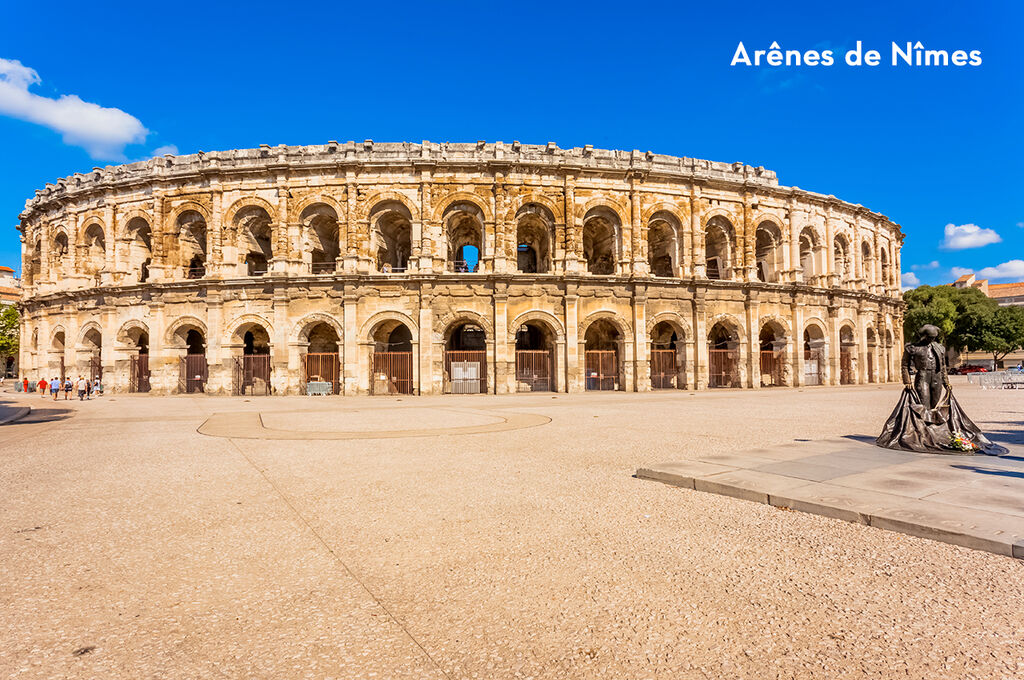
(1004, 333)
(963, 315)
(10, 327)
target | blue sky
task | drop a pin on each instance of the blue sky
(929, 147)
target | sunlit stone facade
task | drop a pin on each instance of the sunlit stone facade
(475, 267)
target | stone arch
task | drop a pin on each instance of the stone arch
(662, 235)
(123, 336)
(186, 323)
(451, 319)
(769, 249)
(675, 319)
(177, 210)
(820, 325)
(607, 202)
(237, 327)
(366, 331)
(248, 202)
(126, 218)
(371, 203)
(321, 235)
(719, 236)
(391, 226)
(554, 206)
(462, 197)
(84, 330)
(535, 238)
(780, 322)
(724, 213)
(537, 315)
(301, 329)
(601, 238)
(58, 330)
(305, 202)
(88, 222)
(672, 209)
(621, 326)
(730, 322)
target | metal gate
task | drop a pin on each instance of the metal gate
(871, 365)
(323, 367)
(392, 373)
(602, 369)
(771, 368)
(723, 368)
(465, 372)
(845, 366)
(252, 375)
(664, 374)
(814, 361)
(533, 370)
(138, 374)
(95, 368)
(193, 372)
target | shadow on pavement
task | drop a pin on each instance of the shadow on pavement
(46, 415)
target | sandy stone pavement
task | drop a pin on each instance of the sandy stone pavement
(132, 546)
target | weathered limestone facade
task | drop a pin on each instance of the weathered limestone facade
(288, 250)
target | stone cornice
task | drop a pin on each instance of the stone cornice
(334, 158)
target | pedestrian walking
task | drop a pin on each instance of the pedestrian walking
(97, 387)
(83, 387)
(24, 385)
(67, 388)
(42, 387)
(55, 387)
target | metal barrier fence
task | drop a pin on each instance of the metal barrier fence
(814, 362)
(392, 373)
(193, 372)
(533, 370)
(664, 373)
(602, 369)
(771, 368)
(465, 371)
(323, 367)
(1004, 380)
(138, 373)
(723, 368)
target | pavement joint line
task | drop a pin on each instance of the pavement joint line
(320, 539)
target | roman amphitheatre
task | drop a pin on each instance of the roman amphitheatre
(425, 268)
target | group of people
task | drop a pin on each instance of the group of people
(86, 388)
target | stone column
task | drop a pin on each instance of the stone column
(429, 383)
(572, 240)
(834, 347)
(641, 343)
(215, 264)
(219, 360)
(796, 226)
(832, 278)
(686, 237)
(697, 233)
(638, 259)
(572, 360)
(749, 239)
(350, 256)
(504, 372)
(796, 312)
(700, 341)
(753, 321)
(350, 344)
(158, 266)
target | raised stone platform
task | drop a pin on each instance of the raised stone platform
(974, 501)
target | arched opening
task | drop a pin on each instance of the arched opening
(192, 243)
(392, 234)
(60, 253)
(136, 341)
(772, 342)
(872, 343)
(464, 227)
(95, 249)
(535, 358)
(193, 371)
(36, 269)
(534, 228)
(767, 252)
(724, 356)
(667, 357)
(90, 361)
(320, 223)
(841, 253)
(886, 271)
(253, 367)
(847, 355)
(662, 244)
(888, 370)
(56, 364)
(601, 228)
(140, 246)
(718, 248)
(322, 359)
(391, 359)
(255, 239)
(465, 360)
(602, 356)
(814, 355)
(808, 248)
(865, 263)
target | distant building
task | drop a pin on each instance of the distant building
(10, 293)
(1005, 294)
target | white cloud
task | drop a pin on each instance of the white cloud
(968, 236)
(103, 132)
(934, 264)
(1020, 224)
(1014, 269)
(161, 150)
(910, 280)
(960, 271)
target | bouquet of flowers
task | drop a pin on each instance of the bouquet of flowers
(958, 441)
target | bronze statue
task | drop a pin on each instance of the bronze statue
(928, 417)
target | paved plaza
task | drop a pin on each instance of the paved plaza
(473, 537)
